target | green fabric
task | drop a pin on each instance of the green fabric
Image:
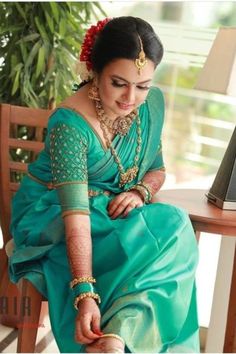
(144, 264)
(74, 197)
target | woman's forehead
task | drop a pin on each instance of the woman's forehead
(127, 70)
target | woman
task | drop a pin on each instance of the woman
(84, 213)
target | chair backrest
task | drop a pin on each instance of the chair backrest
(12, 120)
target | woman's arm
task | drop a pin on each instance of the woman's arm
(79, 249)
(79, 244)
(155, 180)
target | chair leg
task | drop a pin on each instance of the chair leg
(31, 301)
(9, 296)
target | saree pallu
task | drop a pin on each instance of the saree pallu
(144, 264)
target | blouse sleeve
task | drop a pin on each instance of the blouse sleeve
(68, 152)
(158, 163)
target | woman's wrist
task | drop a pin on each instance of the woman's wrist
(138, 193)
(143, 190)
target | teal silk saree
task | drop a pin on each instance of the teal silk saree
(144, 264)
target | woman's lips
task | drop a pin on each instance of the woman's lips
(124, 106)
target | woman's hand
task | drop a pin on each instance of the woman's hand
(87, 325)
(124, 203)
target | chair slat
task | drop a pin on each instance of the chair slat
(26, 144)
(18, 166)
(31, 117)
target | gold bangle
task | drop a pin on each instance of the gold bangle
(113, 335)
(147, 189)
(76, 281)
(145, 185)
(83, 296)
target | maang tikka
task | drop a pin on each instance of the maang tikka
(141, 61)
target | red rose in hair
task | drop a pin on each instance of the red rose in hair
(89, 39)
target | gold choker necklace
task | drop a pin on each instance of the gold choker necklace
(130, 174)
(120, 125)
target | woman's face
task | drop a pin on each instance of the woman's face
(121, 88)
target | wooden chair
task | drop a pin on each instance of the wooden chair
(13, 118)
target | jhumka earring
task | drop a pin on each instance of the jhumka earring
(141, 61)
(93, 93)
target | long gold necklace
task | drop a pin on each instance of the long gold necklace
(130, 174)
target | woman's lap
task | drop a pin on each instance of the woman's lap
(144, 265)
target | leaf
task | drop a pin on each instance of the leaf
(28, 38)
(18, 66)
(10, 29)
(21, 11)
(50, 22)
(24, 52)
(41, 61)
(42, 31)
(62, 27)
(33, 53)
(55, 11)
(16, 83)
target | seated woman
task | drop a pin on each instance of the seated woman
(117, 269)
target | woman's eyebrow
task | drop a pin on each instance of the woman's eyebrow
(137, 83)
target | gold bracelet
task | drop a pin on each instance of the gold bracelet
(83, 296)
(142, 183)
(147, 189)
(76, 281)
(113, 335)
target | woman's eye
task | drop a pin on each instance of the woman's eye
(117, 84)
(143, 87)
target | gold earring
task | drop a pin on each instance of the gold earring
(141, 61)
(93, 92)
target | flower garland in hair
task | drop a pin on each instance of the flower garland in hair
(84, 67)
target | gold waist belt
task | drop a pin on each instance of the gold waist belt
(50, 185)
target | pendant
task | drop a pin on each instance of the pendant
(128, 176)
(121, 125)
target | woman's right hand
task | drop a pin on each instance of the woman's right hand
(87, 325)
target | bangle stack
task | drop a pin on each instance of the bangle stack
(83, 287)
(145, 191)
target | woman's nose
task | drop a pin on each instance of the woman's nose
(130, 94)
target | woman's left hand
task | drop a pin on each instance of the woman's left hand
(124, 203)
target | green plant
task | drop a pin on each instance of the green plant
(39, 44)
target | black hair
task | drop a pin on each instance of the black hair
(119, 40)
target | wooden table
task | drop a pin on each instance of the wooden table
(206, 217)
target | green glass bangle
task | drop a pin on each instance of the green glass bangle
(83, 288)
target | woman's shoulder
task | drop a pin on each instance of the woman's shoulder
(70, 113)
(156, 106)
(155, 95)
